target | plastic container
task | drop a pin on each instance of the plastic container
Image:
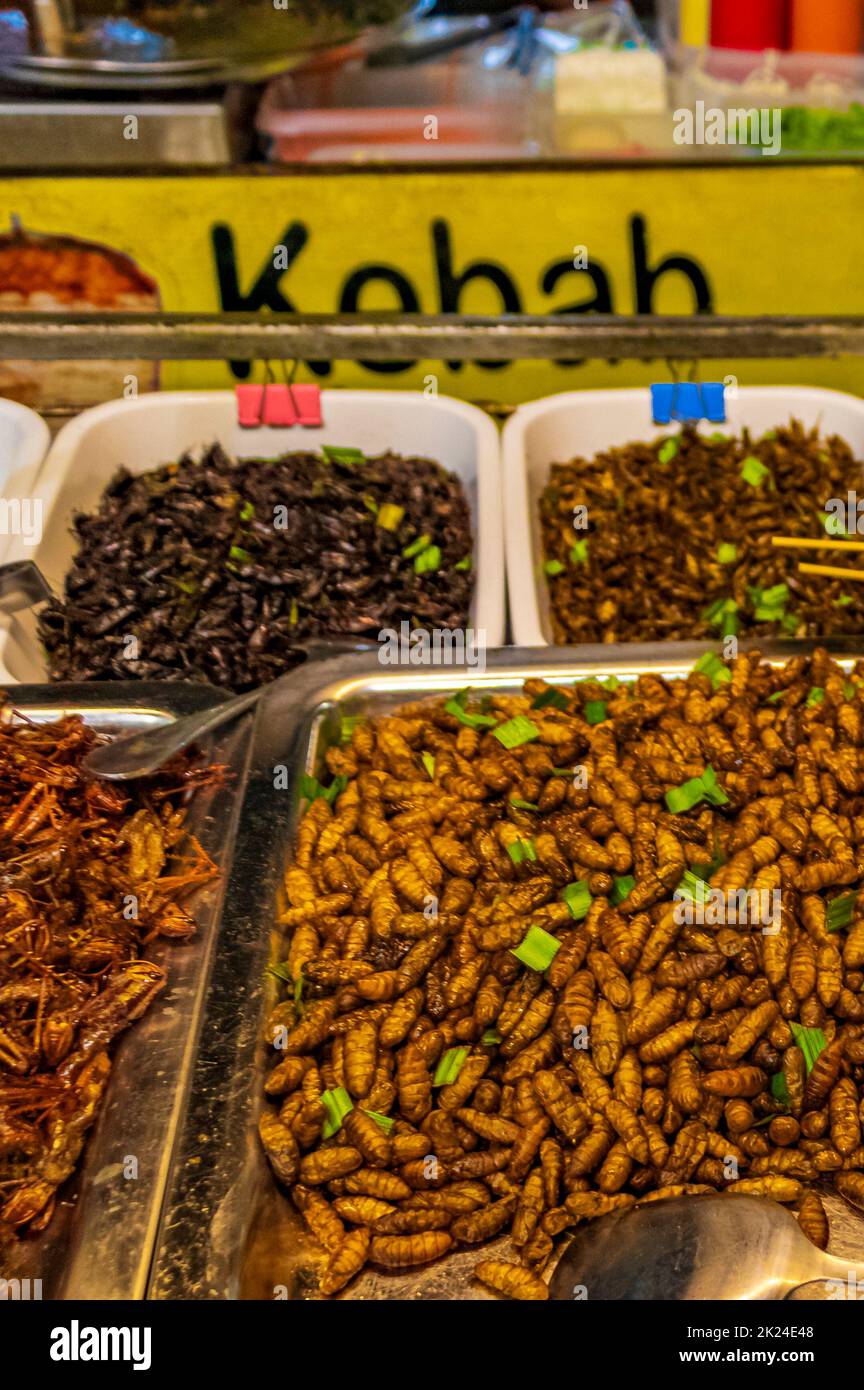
(155, 429)
(579, 424)
(24, 440)
(452, 109)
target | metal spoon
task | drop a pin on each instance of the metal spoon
(142, 754)
(701, 1248)
(22, 584)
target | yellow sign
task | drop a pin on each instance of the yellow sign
(741, 239)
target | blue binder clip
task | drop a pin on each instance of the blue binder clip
(662, 400)
(688, 401)
(714, 402)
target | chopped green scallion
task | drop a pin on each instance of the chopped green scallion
(811, 1041)
(538, 950)
(516, 731)
(337, 454)
(578, 899)
(337, 1104)
(449, 1066)
(753, 472)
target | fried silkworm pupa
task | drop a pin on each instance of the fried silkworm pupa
(346, 1260)
(513, 1281)
(402, 1252)
(323, 1165)
(813, 1220)
(851, 1186)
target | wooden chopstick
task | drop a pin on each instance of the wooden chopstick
(805, 543)
(833, 572)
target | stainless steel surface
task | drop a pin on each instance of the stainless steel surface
(22, 584)
(90, 135)
(143, 753)
(100, 1242)
(228, 1231)
(450, 337)
(140, 754)
(99, 44)
(697, 1248)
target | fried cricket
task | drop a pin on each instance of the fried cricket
(529, 998)
(87, 886)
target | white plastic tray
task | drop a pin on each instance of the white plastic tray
(578, 424)
(154, 429)
(24, 440)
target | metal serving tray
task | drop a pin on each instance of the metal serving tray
(100, 1243)
(228, 1230)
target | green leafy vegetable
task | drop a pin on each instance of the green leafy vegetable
(578, 899)
(385, 1121)
(516, 731)
(811, 1041)
(538, 950)
(240, 555)
(336, 1103)
(753, 472)
(428, 561)
(556, 698)
(347, 726)
(522, 850)
(416, 547)
(696, 789)
(456, 706)
(311, 788)
(838, 915)
(336, 454)
(449, 1066)
(622, 887)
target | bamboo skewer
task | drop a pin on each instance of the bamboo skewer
(833, 572)
(805, 543)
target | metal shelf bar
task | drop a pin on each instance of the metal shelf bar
(420, 337)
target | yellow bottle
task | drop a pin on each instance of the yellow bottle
(694, 22)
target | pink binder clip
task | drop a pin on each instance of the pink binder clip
(250, 401)
(278, 407)
(307, 403)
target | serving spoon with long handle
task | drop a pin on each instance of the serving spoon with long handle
(723, 1247)
(22, 584)
(142, 754)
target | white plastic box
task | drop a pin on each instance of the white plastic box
(142, 434)
(579, 424)
(24, 440)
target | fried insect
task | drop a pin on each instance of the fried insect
(813, 1220)
(554, 1039)
(514, 1281)
(402, 1252)
(91, 877)
(346, 1260)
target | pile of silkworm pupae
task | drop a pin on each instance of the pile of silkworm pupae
(512, 1003)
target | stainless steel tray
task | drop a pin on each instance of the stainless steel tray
(100, 1242)
(228, 1231)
